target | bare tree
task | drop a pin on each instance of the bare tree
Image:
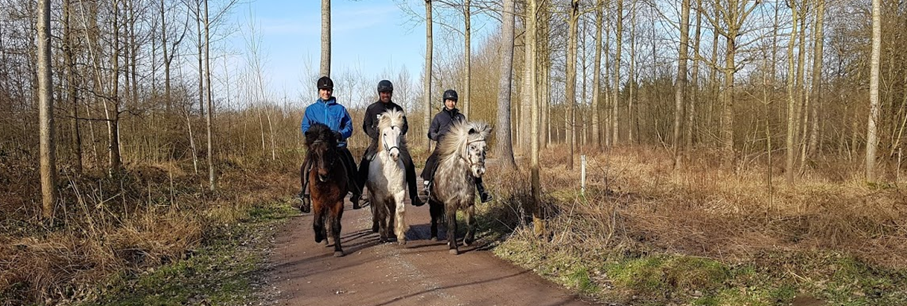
(732, 15)
(572, 21)
(210, 115)
(615, 101)
(596, 73)
(46, 113)
(326, 37)
(872, 138)
(71, 85)
(793, 102)
(467, 55)
(818, 47)
(535, 177)
(681, 83)
(426, 81)
(504, 145)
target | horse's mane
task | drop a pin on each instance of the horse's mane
(320, 132)
(391, 118)
(461, 133)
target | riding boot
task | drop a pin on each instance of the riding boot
(304, 195)
(483, 194)
(425, 194)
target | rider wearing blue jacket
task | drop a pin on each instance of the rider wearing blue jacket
(327, 111)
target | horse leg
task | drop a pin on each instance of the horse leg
(434, 209)
(381, 212)
(337, 213)
(400, 228)
(372, 200)
(470, 225)
(452, 230)
(318, 224)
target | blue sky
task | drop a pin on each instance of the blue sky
(371, 36)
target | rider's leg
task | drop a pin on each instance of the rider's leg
(411, 177)
(431, 164)
(352, 177)
(304, 182)
(483, 194)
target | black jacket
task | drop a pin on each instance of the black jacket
(442, 122)
(370, 123)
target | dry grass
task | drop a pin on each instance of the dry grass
(150, 215)
(635, 202)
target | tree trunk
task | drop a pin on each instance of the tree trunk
(694, 92)
(504, 146)
(596, 72)
(46, 113)
(615, 107)
(326, 38)
(426, 81)
(631, 79)
(113, 116)
(872, 138)
(71, 85)
(569, 123)
(681, 83)
(467, 54)
(817, 76)
(535, 184)
(791, 140)
(210, 115)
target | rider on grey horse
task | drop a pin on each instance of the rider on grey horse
(440, 125)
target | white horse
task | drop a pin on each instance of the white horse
(387, 179)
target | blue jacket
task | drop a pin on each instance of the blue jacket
(331, 114)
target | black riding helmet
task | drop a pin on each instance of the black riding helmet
(325, 83)
(385, 86)
(449, 94)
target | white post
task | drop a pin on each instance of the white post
(583, 175)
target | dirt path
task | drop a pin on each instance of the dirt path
(419, 273)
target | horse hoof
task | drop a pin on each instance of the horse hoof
(468, 242)
(453, 252)
(338, 254)
(434, 239)
(401, 242)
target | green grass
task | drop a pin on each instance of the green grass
(219, 273)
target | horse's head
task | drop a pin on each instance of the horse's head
(322, 154)
(390, 129)
(475, 146)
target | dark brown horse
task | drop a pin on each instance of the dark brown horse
(327, 183)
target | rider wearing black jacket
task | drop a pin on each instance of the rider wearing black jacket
(370, 125)
(440, 125)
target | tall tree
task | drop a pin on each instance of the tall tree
(46, 113)
(504, 145)
(872, 138)
(326, 37)
(572, 21)
(615, 101)
(210, 115)
(596, 73)
(792, 101)
(818, 51)
(426, 80)
(467, 54)
(681, 83)
(535, 177)
(694, 72)
(113, 114)
(71, 93)
(732, 15)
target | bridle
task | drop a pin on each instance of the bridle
(384, 143)
(460, 154)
